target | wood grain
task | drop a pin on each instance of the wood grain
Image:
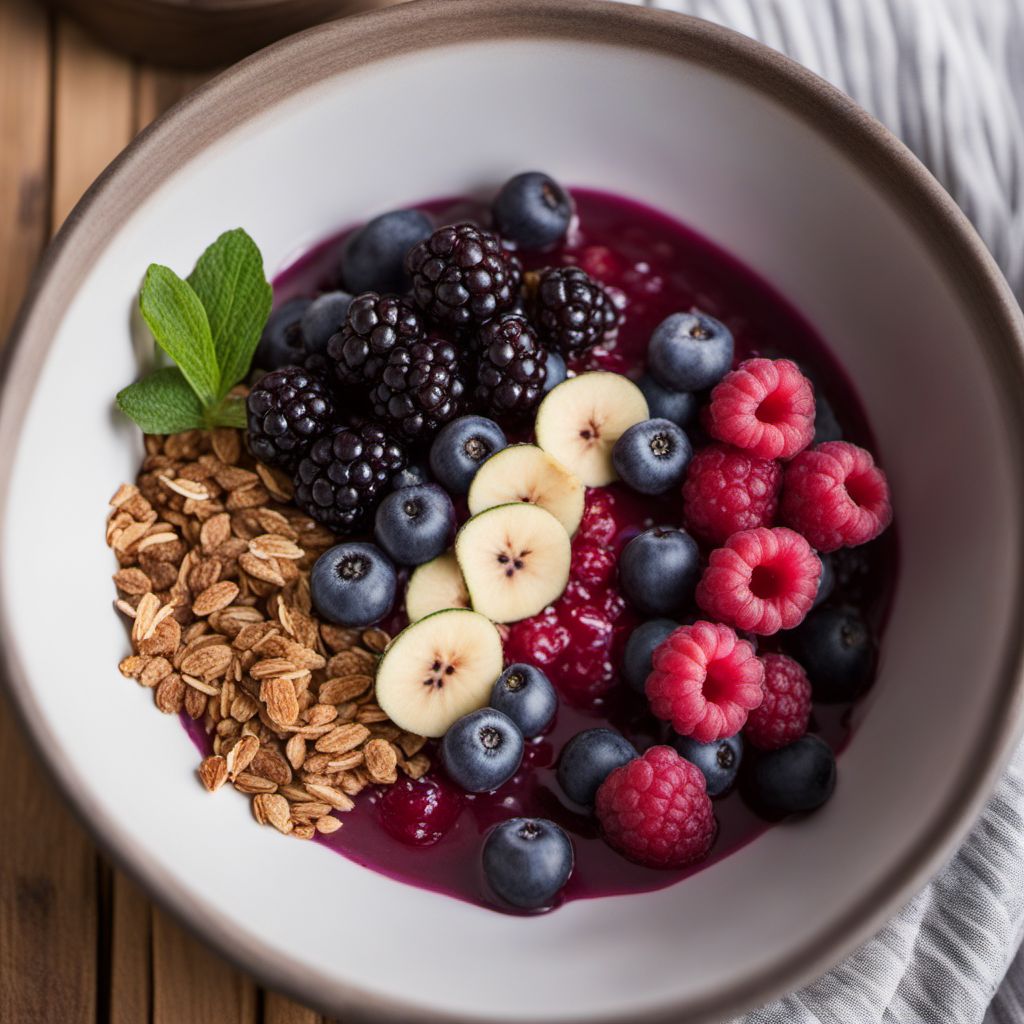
(278, 1009)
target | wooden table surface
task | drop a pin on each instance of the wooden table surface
(79, 942)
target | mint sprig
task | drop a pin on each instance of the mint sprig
(210, 325)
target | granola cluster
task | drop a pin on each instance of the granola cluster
(214, 574)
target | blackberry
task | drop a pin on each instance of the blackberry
(420, 388)
(340, 482)
(512, 368)
(288, 409)
(462, 276)
(572, 310)
(375, 324)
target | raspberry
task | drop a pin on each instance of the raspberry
(761, 581)
(341, 480)
(727, 490)
(704, 680)
(599, 524)
(836, 496)
(764, 406)
(655, 810)
(512, 368)
(540, 640)
(592, 565)
(783, 715)
(572, 310)
(462, 276)
(374, 325)
(420, 388)
(288, 409)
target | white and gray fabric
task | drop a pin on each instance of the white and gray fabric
(947, 77)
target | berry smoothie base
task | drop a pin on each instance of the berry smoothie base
(659, 267)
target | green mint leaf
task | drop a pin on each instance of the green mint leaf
(230, 413)
(233, 289)
(179, 323)
(162, 403)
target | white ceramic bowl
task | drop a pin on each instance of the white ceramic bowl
(449, 97)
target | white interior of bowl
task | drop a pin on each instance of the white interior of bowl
(738, 167)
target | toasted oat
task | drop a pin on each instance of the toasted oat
(215, 598)
(279, 696)
(213, 772)
(381, 761)
(342, 738)
(272, 809)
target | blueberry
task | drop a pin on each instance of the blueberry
(482, 750)
(826, 582)
(837, 651)
(460, 449)
(588, 759)
(415, 524)
(322, 319)
(719, 760)
(793, 779)
(411, 476)
(533, 210)
(689, 352)
(636, 659)
(526, 695)
(826, 426)
(557, 371)
(527, 861)
(652, 456)
(678, 406)
(373, 257)
(281, 340)
(353, 584)
(659, 570)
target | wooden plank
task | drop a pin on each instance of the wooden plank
(129, 984)
(278, 1009)
(193, 984)
(159, 89)
(94, 115)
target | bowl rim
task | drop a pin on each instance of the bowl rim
(338, 47)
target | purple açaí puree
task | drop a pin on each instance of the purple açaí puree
(660, 267)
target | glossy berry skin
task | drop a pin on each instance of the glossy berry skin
(482, 750)
(525, 694)
(826, 424)
(415, 524)
(375, 325)
(837, 650)
(765, 407)
(532, 210)
(760, 581)
(651, 457)
(373, 256)
(344, 474)
(420, 388)
(640, 647)
(461, 276)
(410, 476)
(704, 681)
(353, 584)
(663, 403)
(572, 311)
(281, 342)
(689, 352)
(555, 370)
(526, 862)
(461, 448)
(322, 319)
(418, 812)
(656, 811)
(588, 759)
(719, 760)
(659, 569)
(795, 779)
(727, 490)
(511, 369)
(785, 712)
(836, 496)
(827, 583)
(287, 410)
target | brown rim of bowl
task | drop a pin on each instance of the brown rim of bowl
(333, 49)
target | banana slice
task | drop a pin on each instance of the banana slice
(514, 559)
(580, 420)
(524, 472)
(439, 669)
(434, 586)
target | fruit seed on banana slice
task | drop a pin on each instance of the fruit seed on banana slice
(434, 586)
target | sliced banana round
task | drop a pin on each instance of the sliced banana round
(580, 420)
(524, 472)
(514, 559)
(434, 586)
(439, 669)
